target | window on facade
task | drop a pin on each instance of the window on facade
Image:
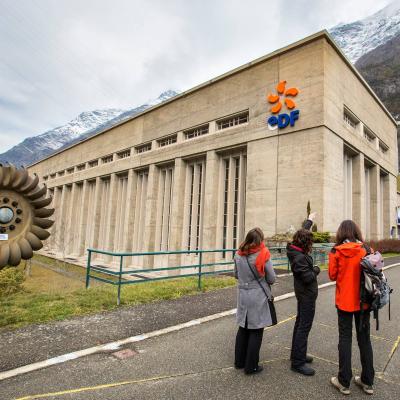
(107, 159)
(93, 163)
(164, 208)
(369, 135)
(350, 119)
(52, 176)
(70, 170)
(167, 140)
(194, 200)
(382, 147)
(80, 167)
(195, 132)
(234, 180)
(45, 178)
(143, 148)
(234, 120)
(124, 154)
(61, 173)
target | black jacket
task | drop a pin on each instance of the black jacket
(304, 273)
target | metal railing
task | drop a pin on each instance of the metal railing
(116, 277)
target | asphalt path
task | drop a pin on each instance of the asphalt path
(196, 363)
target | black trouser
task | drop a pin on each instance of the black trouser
(302, 327)
(345, 320)
(247, 348)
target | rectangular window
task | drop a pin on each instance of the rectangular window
(45, 178)
(61, 173)
(164, 208)
(93, 163)
(195, 132)
(52, 176)
(80, 167)
(367, 200)
(124, 154)
(234, 120)
(233, 200)
(350, 119)
(194, 199)
(347, 186)
(382, 147)
(167, 140)
(107, 159)
(143, 148)
(70, 171)
(369, 135)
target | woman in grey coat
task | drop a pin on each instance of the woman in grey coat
(253, 315)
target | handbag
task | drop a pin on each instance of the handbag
(270, 302)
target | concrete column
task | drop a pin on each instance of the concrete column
(358, 191)
(83, 220)
(111, 213)
(375, 202)
(60, 223)
(93, 237)
(130, 213)
(70, 229)
(211, 199)
(176, 225)
(151, 213)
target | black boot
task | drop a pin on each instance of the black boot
(304, 370)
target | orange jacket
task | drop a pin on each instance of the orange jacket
(345, 269)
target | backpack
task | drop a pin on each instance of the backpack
(374, 288)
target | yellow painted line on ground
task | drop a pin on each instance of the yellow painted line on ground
(133, 382)
(335, 328)
(280, 322)
(391, 354)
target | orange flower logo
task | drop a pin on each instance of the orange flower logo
(276, 98)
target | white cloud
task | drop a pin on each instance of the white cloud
(59, 58)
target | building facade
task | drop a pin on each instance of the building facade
(201, 169)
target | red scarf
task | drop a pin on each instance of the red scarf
(261, 259)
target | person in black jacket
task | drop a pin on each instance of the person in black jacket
(306, 290)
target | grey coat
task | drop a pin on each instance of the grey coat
(252, 302)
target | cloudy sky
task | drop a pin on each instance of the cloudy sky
(61, 57)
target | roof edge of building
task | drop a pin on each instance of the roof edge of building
(318, 35)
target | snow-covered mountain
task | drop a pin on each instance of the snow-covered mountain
(360, 37)
(84, 125)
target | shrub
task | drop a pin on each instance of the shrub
(385, 245)
(321, 237)
(11, 280)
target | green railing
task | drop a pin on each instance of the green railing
(115, 277)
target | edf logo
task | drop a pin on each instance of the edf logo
(283, 120)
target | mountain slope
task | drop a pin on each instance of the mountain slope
(360, 37)
(381, 69)
(84, 125)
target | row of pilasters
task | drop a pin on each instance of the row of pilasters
(373, 198)
(83, 207)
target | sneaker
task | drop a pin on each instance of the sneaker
(342, 389)
(367, 388)
(304, 370)
(254, 371)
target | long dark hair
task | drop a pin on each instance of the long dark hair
(303, 238)
(253, 238)
(348, 229)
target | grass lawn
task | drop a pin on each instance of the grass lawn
(390, 254)
(50, 296)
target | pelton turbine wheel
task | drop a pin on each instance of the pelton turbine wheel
(23, 215)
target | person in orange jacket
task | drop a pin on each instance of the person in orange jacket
(345, 269)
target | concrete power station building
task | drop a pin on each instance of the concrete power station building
(248, 148)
